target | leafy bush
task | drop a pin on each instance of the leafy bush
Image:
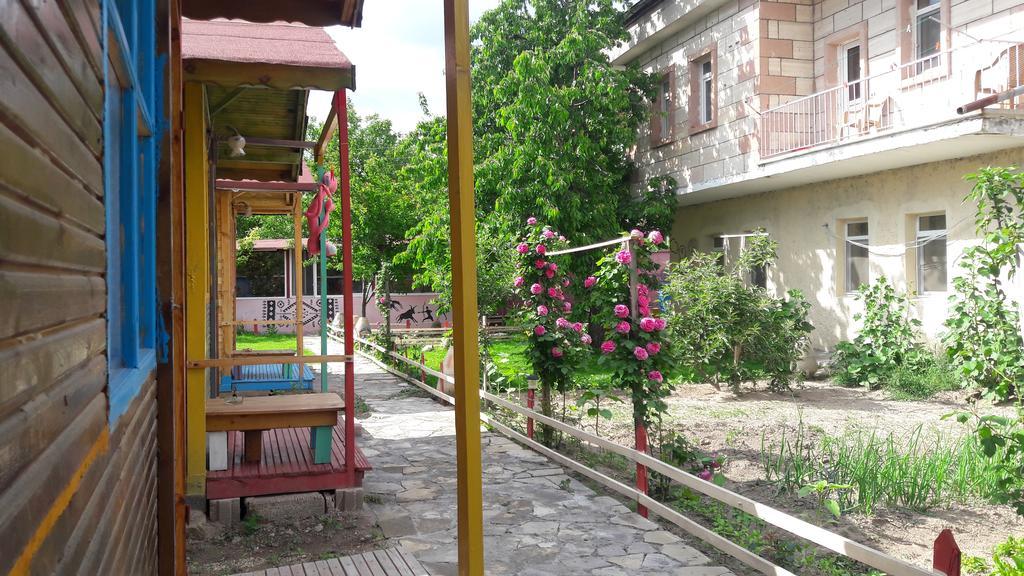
(1008, 558)
(934, 374)
(1002, 439)
(887, 341)
(726, 331)
(984, 339)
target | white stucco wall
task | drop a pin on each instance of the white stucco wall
(811, 259)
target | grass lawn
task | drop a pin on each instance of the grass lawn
(248, 341)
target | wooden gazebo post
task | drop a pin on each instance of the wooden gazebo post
(464, 304)
(341, 114)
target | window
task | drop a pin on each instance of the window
(718, 247)
(927, 29)
(849, 66)
(759, 276)
(703, 101)
(931, 253)
(130, 173)
(706, 90)
(663, 110)
(856, 255)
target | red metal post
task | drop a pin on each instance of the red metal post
(641, 470)
(341, 112)
(531, 393)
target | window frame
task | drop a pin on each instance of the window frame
(132, 91)
(844, 71)
(703, 87)
(663, 110)
(920, 235)
(848, 260)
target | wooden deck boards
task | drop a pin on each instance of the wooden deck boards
(266, 377)
(286, 466)
(390, 562)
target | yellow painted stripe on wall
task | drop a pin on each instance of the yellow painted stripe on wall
(59, 505)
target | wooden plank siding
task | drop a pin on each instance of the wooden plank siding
(77, 496)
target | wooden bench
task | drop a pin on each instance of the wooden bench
(254, 414)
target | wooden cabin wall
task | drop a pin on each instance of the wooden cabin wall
(77, 496)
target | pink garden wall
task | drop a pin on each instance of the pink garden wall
(414, 310)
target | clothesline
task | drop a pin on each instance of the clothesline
(588, 246)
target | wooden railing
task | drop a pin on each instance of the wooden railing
(820, 536)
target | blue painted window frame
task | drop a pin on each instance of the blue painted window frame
(130, 160)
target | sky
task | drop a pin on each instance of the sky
(398, 52)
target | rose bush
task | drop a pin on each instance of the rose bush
(635, 345)
(555, 343)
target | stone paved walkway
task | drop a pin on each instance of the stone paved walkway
(537, 520)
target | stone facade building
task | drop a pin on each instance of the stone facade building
(833, 125)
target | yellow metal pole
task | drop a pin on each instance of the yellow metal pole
(464, 305)
(197, 284)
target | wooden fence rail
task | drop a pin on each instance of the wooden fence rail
(820, 536)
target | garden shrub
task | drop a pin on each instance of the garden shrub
(555, 343)
(635, 347)
(888, 340)
(724, 330)
(984, 339)
(934, 374)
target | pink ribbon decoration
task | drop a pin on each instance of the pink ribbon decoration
(324, 199)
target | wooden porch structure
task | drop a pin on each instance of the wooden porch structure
(255, 87)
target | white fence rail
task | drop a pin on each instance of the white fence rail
(917, 94)
(830, 540)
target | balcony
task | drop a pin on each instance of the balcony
(914, 95)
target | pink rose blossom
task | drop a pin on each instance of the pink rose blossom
(539, 264)
(541, 249)
(660, 324)
(552, 292)
(547, 233)
(640, 353)
(642, 300)
(655, 375)
(705, 475)
(607, 347)
(536, 289)
(542, 310)
(552, 266)
(636, 234)
(643, 310)
(656, 237)
(621, 310)
(562, 323)
(578, 327)
(589, 282)
(523, 248)
(624, 257)
(539, 330)
(567, 307)
(586, 339)
(518, 281)
(622, 327)
(549, 273)
(653, 348)
(565, 282)
(556, 352)
(561, 238)
(531, 221)
(643, 291)
(648, 324)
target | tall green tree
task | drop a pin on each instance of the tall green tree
(553, 124)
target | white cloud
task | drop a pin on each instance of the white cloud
(398, 52)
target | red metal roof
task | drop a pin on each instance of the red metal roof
(277, 43)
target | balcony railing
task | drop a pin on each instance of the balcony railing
(917, 94)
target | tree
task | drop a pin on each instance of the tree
(553, 124)
(383, 209)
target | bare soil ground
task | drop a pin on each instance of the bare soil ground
(730, 425)
(257, 543)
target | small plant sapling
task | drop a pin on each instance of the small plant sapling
(825, 492)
